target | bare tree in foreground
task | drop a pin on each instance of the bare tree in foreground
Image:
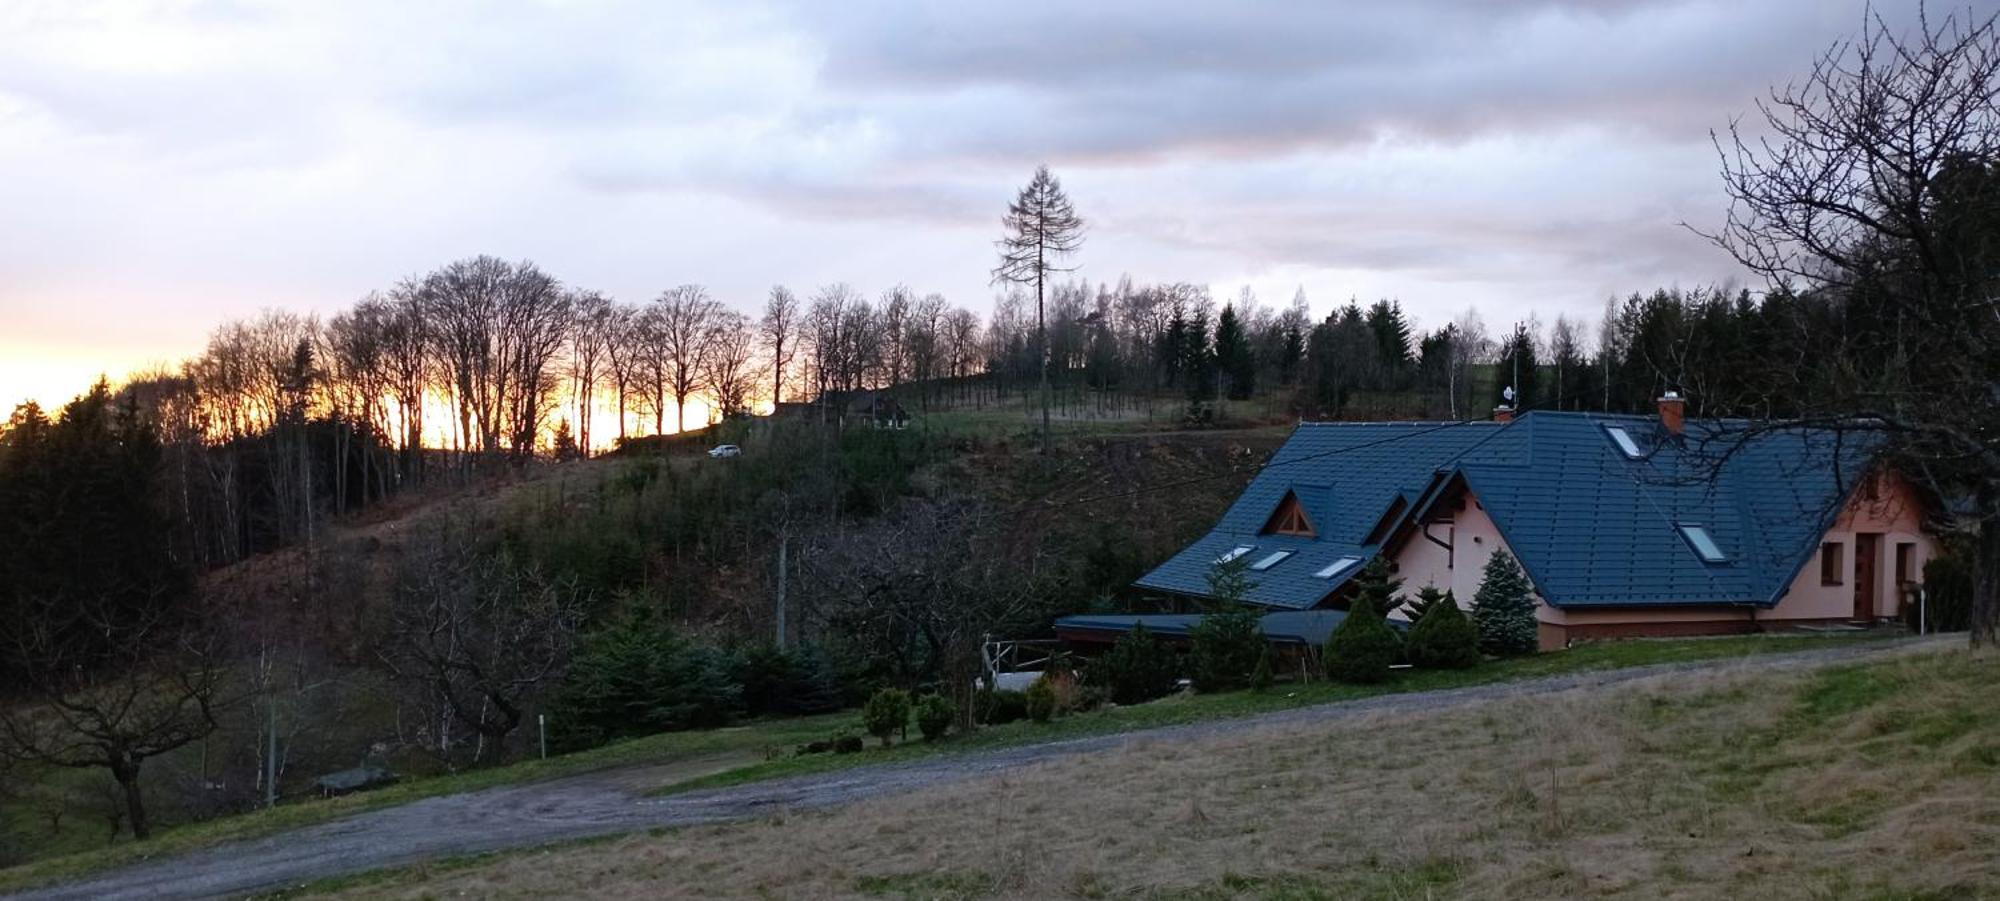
(108, 687)
(477, 640)
(1042, 228)
(1875, 189)
(923, 586)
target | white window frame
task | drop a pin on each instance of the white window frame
(1234, 553)
(1626, 445)
(1274, 559)
(1704, 544)
(1337, 567)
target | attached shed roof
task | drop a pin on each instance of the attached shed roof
(1592, 525)
(1284, 627)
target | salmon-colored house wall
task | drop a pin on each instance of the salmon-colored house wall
(1887, 507)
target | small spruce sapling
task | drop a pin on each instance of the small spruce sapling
(1378, 584)
(1504, 608)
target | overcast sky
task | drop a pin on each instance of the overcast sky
(168, 166)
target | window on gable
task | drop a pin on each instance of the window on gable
(1704, 544)
(1338, 566)
(1290, 519)
(1623, 439)
(1270, 561)
(1235, 552)
(1832, 563)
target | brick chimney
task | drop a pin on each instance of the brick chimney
(1503, 413)
(1673, 412)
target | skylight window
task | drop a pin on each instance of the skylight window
(1704, 544)
(1624, 441)
(1339, 566)
(1235, 552)
(1270, 561)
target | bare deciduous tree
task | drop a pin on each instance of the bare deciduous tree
(476, 640)
(780, 327)
(1042, 228)
(1874, 184)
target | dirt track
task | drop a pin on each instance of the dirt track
(608, 802)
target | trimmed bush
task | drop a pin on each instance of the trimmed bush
(886, 712)
(1444, 638)
(1224, 648)
(1504, 608)
(1136, 670)
(1041, 700)
(1001, 707)
(1363, 647)
(934, 716)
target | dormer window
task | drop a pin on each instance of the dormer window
(1290, 519)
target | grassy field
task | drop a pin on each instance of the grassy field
(1194, 707)
(762, 750)
(745, 744)
(1876, 780)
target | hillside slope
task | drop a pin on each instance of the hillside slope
(1874, 780)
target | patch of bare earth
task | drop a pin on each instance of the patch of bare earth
(1874, 781)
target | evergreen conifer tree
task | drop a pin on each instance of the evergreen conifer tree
(1362, 647)
(1504, 607)
(1443, 637)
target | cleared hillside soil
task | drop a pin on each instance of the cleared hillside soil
(1879, 780)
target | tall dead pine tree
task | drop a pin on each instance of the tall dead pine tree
(1042, 228)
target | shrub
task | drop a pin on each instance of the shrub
(1041, 700)
(1947, 595)
(1261, 678)
(1137, 669)
(1224, 648)
(886, 712)
(847, 744)
(1362, 647)
(1444, 638)
(1504, 608)
(934, 716)
(1001, 707)
(639, 678)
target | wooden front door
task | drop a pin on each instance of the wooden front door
(1867, 550)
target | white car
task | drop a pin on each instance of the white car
(725, 450)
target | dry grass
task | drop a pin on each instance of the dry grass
(1880, 780)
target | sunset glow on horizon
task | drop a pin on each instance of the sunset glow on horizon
(172, 167)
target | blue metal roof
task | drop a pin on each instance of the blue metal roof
(1287, 626)
(1592, 526)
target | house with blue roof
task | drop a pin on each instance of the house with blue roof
(1627, 525)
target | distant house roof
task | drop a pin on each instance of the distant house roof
(1592, 524)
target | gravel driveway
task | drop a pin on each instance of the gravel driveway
(607, 802)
